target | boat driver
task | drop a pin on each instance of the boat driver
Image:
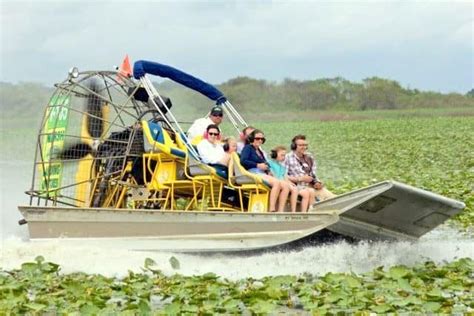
(198, 128)
(302, 170)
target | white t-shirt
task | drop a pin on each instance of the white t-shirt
(209, 152)
(199, 127)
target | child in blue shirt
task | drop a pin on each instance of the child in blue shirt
(279, 171)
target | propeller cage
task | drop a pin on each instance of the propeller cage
(87, 136)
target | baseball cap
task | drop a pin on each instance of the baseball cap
(217, 110)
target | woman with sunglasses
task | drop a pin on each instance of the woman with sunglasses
(210, 148)
(254, 160)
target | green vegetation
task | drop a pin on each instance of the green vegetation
(335, 93)
(249, 94)
(374, 130)
(426, 148)
(432, 153)
(426, 288)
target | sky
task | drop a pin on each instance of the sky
(424, 45)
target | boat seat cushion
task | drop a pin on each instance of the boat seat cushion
(157, 139)
(198, 168)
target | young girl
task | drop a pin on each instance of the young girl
(230, 145)
(279, 171)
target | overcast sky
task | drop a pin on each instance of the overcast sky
(425, 45)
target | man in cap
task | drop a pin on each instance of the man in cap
(199, 126)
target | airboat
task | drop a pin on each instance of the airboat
(112, 162)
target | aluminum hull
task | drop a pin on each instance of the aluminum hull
(390, 210)
(385, 211)
(174, 230)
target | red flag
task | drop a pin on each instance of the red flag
(125, 69)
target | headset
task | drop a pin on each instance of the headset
(293, 145)
(273, 154)
(226, 146)
(251, 136)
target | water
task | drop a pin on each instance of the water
(443, 244)
(113, 260)
(15, 179)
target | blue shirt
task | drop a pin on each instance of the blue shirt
(277, 169)
(249, 157)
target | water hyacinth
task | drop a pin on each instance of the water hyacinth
(39, 287)
(431, 153)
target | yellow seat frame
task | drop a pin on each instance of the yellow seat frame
(250, 184)
(164, 178)
(213, 183)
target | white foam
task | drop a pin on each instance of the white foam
(113, 260)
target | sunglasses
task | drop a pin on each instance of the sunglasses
(218, 114)
(260, 138)
(214, 134)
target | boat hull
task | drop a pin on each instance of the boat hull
(174, 230)
(389, 210)
(384, 211)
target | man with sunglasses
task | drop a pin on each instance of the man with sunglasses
(199, 126)
(302, 170)
(211, 150)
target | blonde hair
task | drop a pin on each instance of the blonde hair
(227, 141)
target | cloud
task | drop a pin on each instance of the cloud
(220, 40)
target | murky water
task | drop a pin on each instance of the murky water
(113, 260)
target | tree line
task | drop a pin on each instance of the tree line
(248, 94)
(337, 93)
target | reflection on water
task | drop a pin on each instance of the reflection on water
(113, 260)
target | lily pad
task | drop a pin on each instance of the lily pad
(174, 263)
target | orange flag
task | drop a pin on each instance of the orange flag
(125, 69)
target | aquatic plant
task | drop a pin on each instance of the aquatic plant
(39, 287)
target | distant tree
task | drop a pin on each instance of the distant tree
(251, 96)
(380, 93)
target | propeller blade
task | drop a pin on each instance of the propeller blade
(76, 151)
(95, 122)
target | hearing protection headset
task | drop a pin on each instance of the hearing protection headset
(226, 146)
(273, 154)
(293, 144)
(251, 136)
(293, 141)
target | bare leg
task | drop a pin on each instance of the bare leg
(275, 184)
(285, 189)
(312, 196)
(294, 197)
(305, 196)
